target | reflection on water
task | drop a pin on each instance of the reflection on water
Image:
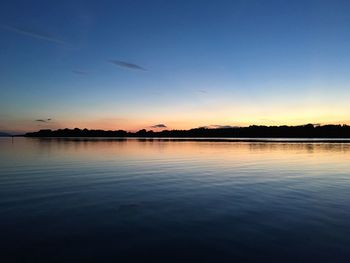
(173, 200)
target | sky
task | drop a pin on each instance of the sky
(173, 64)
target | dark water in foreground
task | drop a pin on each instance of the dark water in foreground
(173, 201)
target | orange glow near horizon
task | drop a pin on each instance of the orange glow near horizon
(186, 119)
(135, 126)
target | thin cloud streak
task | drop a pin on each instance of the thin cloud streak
(43, 120)
(159, 126)
(33, 34)
(127, 65)
(202, 91)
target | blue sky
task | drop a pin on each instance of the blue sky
(206, 63)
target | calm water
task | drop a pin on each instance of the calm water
(104, 200)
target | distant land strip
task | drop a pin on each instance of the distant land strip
(303, 131)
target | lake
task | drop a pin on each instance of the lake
(136, 200)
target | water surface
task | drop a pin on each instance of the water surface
(123, 200)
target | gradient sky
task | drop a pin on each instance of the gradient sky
(134, 64)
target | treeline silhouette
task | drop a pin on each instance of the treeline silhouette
(254, 131)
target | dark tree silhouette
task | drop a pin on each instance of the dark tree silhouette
(254, 131)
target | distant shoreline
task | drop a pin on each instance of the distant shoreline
(199, 139)
(307, 133)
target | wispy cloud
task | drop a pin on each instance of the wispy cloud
(159, 126)
(127, 65)
(43, 120)
(202, 91)
(33, 33)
